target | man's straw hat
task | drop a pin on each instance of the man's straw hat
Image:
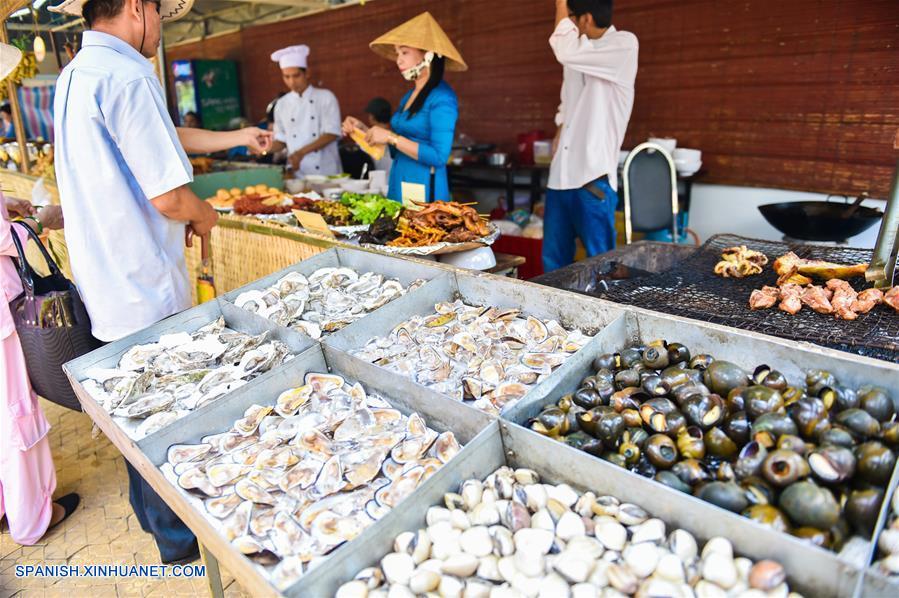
(422, 32)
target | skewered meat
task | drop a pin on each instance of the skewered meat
(764, 298)
(817, 298)
(891, 298)
(843, 298)
(791, 267)
(866, 301)
(791, 298)
(739, 262)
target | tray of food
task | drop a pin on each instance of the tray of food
(279, 478)
(801, 440)
(432, 229)
(483, 341)
(801, 292)
(509, 521)
(180, 366)
(331, 290)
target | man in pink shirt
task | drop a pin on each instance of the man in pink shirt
(599, 68)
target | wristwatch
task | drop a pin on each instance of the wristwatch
(393, 140)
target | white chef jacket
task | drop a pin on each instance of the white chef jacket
(117, 148)
(301, 119)
(597, 98)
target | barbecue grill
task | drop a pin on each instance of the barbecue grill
(691, 289)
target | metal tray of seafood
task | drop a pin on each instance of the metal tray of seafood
(149, 454)
(569, 309)
(189, 321)
(739, 346)
(404, 270)
(813, 572)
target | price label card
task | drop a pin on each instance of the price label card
(313, 223)
(413, 192)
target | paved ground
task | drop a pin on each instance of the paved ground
(104, 530)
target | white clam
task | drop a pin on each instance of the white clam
(505, 592)
(534, 540)
(651, 530)
(461, 565)
(421, 546)
(612, 534)
(471, 491)
(683, 544)
(575, 569)
(585, 547)
(475, 588)
(553, 586)
(506, 568)
(536, 496)
(622, 579)
(488, 569)
(719, 569)
(641, 558)
(542, 519)
(398, 568)
(718, 545)
(423, 581)
(530, 563)
(705, 589)
(352, 589)
(584, 590)
(484, 514)
(437, 514)
(503, 541)
(398, 591)
(563, 493)
(459, 519)
(570, 526)
(477, 541)
(671, 568)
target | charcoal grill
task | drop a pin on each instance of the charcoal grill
(691, 289)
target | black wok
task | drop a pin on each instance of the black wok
(819, 220)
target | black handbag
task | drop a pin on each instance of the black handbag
(52, 324)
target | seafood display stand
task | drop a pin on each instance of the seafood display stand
(488, 442)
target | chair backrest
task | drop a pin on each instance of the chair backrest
(650, 190)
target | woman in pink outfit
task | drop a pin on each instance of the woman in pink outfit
(27, 476)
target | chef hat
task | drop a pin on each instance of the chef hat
(292, 57)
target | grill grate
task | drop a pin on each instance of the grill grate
(691, 289)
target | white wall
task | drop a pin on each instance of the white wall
(726, 209)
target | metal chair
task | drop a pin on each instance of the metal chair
(650, 191)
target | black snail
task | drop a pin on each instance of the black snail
(809, 458)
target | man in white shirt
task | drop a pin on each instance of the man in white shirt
(307, 119)
(122, 173)
(599, 68)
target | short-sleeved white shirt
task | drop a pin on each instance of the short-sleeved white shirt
(302, 119)
(116, 148)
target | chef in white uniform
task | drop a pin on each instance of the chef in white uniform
(307, 119)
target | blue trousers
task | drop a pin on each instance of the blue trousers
(577, 213)
(174, 540)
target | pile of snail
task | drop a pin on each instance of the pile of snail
(812, 461)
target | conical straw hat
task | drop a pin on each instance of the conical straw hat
(9, 59)
(422, 32)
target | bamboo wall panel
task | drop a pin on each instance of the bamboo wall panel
(798, 94)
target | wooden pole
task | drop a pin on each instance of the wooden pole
(17, 113)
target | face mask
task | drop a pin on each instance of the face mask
(413, 73)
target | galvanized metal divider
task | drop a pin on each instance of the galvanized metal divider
(362, 261)
(741, 347)
(465, 424)
(190, 321)
(816, 574)
(875, 583)
(614, 324)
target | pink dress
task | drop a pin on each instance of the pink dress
(27, 475)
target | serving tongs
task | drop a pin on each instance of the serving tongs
(882, 269)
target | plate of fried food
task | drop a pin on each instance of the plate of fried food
(431, 229)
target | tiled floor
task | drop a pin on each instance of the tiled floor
(104, 530)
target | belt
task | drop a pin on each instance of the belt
(593, 187)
